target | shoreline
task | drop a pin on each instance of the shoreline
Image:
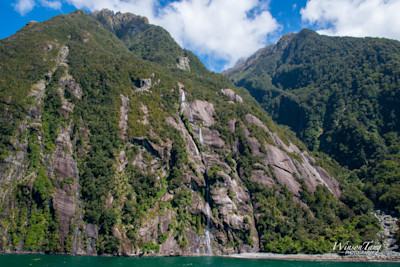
(329, 257)
(332, 257)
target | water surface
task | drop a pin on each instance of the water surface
(86, 261)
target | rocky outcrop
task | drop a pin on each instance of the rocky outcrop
(145, 110)
(38, 90)
(200, 111)
(183, 63)
(14, 167)
(232, 95)
(62, 56)
(287, 169)
(208, 137)
(64, 164)
(232, 202)
(123, 122)
(91, 232)
(111, 19)
(316, 175)
(259, 176)
(65, 205)
(64, 167)
(143, 85)
(189, 142)
(283, 168)
(67, 108)
(254, 120)
(253, 143)
(67, 82)
(389, 230)
(177, 177)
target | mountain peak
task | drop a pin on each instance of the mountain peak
(285, 40)
(113, 20)
(340, 95)
(108, 146)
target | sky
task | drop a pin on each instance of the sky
(221, 32)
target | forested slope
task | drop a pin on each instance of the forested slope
(114, 140)
(341, 95)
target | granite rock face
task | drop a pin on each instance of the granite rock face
(200, 111)
(232, 95)
(183, 63)
(288, 169)
(116, 161)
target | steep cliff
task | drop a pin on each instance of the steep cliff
(341, 96)
(107, 148)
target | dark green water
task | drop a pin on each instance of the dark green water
(84, 261)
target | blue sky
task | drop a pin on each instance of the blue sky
(222, 31)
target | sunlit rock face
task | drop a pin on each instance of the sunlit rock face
(114, 153)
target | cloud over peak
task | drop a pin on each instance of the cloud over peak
(227, 30)
(378, 18)
(220, 31)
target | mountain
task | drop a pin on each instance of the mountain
(114, 140)
(341, 95)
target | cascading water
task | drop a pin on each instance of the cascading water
(201, 136)
(183, 100)
(78, 215)
(207, 229)
(207, 234)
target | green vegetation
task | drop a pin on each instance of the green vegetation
(287, 227)
(150, 246)
(42, 187)
(341, 96)
(107, 244)
(36, 232)
(33, 150)
(128, 179)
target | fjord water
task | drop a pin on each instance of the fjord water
(86, 261)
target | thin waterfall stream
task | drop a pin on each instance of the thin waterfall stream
(207, 233)
(207, 229)
(201, 139)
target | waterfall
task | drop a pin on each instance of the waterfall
(78, 214)
(183, 100)
(76, 236)
(207, 229)
(201, 137)
(207, 235)
(183, 97)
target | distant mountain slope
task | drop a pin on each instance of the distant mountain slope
(116, 141)
(150, 42)
(341, 95)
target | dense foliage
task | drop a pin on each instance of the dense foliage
(341, 96)
(103, 183)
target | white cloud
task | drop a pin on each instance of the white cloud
(51, 4)
(378, 18)
(224, 30)
(24, 6)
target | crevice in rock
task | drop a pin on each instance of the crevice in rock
(283, 169)
(141, 141)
